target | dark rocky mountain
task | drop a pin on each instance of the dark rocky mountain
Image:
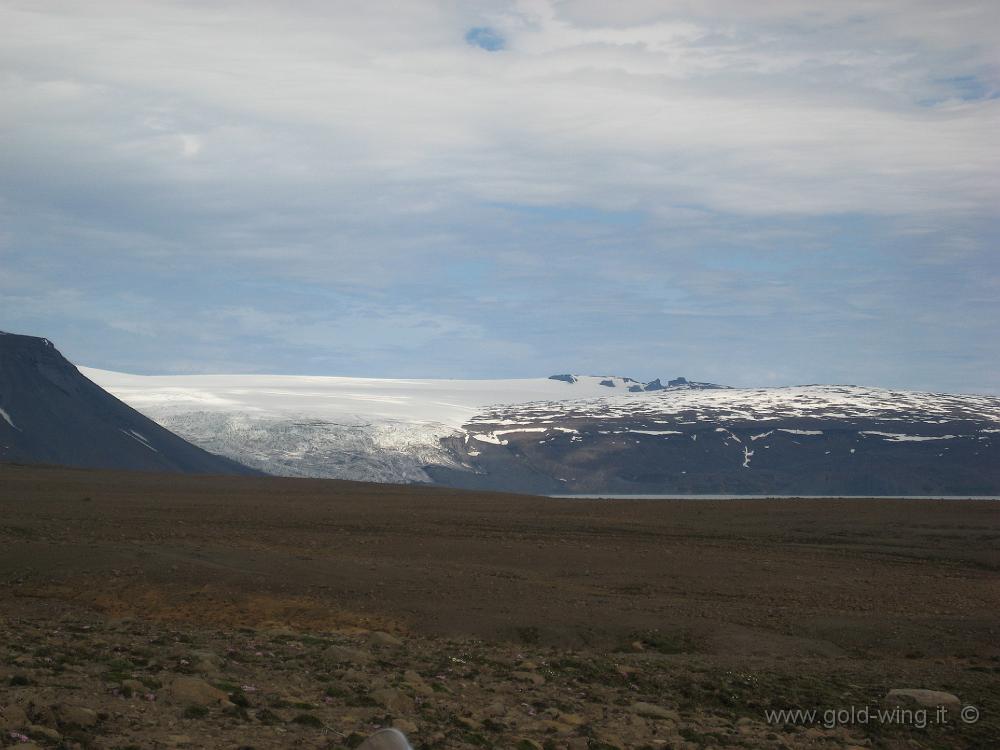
(633, 385)
(50, 413)
(808, 440)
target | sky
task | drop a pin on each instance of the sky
(748, 193)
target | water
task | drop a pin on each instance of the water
(611, 496)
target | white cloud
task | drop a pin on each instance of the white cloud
(733, 111)
(369, 149)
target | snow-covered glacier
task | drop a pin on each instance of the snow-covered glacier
(585, 434)
(365, 429)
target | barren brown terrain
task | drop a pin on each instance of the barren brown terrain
(149, 611)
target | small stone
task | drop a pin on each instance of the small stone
(76, 716)
(386, 739)
(205, 662)
(133, 687)
(192, 691)
(652, 711)
(277, 630)
(526, 743)
(13, 717)
(343, 655)
(37, 730)
(405, 726)
(532, 677)
(381, 638)
(393, 700)
(921, 697)
(559, 727)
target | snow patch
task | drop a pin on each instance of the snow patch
(899, 437)
(138, 437)
(488, 437)
(8, 420)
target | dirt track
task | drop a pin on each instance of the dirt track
(879, 593)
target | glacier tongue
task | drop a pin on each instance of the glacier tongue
(372, 451)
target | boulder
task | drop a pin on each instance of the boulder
(921, 697)
(380, 638)
(334, 655)
(205, 662)
(386, 739)
(38, 731)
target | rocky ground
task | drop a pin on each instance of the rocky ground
(144, 623)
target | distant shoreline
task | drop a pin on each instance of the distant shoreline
(612, 496)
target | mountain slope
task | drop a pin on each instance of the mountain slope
(813, 440)
(586, 434)
(51, 413)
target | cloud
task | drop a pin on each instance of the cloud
(368, 177)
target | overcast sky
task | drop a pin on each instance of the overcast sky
(762, 193)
